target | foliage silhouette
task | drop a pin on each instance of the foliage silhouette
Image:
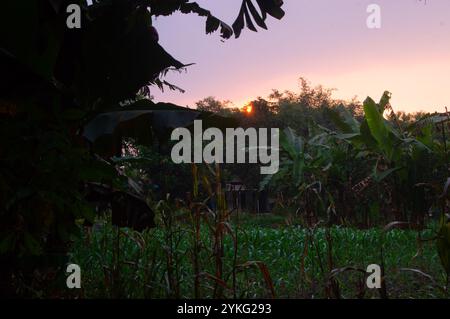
(57, 81)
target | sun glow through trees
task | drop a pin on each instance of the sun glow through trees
(248, 109)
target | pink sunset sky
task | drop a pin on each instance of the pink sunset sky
(324, 41)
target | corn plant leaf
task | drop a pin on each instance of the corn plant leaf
(443, 244)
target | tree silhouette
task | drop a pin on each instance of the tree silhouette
(68, 96)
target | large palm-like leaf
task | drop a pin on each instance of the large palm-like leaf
(141, 121)
(247, 14)
(378, 127)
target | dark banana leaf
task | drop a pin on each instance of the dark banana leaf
(143, 120)
(249, 11)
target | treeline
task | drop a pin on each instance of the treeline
(301, 111)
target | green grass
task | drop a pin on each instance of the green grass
(159, 263)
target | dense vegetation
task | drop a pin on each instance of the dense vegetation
(86, 176)
(354, 189)
(272, 260)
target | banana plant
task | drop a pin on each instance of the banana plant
(293, 160)
(403, 154)
(305, 166)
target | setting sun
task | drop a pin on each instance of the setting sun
(248, 109)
